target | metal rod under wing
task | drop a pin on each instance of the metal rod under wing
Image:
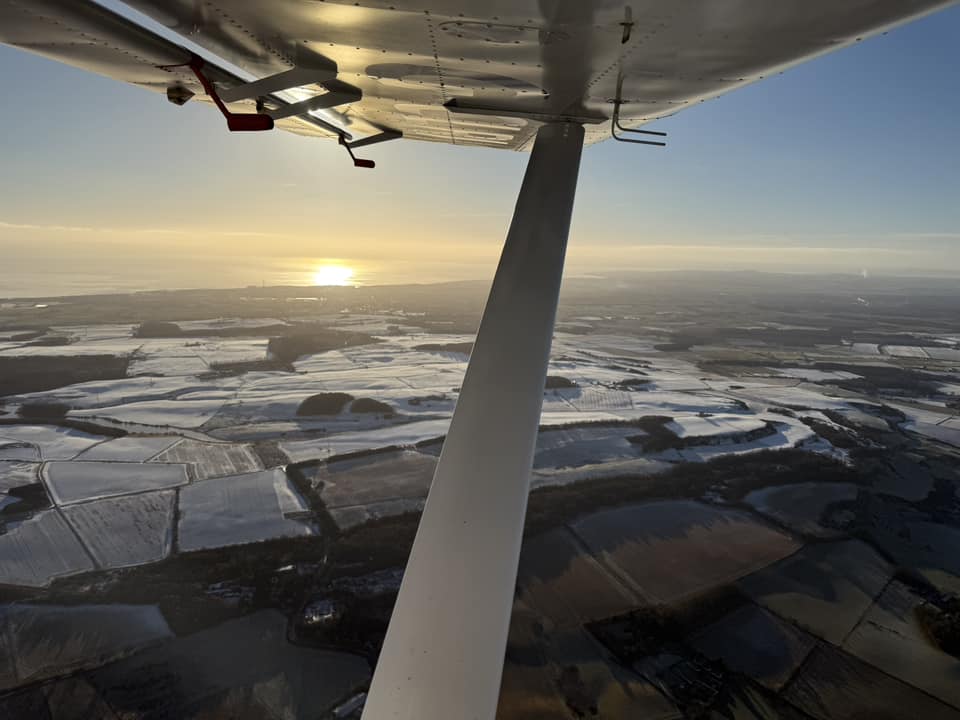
(317, 102)
(443, 654)
(295, 77)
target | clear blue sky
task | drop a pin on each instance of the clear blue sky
(848, 162)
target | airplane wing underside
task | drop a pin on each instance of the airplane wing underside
(465, 72)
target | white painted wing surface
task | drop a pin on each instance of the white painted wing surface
(507, 66)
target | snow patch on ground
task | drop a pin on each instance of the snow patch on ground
(160, 413)
(907, 351)
(685, 426)
(404, 435)
(813, 375)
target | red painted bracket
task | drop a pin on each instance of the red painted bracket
(236, 122)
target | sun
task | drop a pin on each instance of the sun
(332, 275)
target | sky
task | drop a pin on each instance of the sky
(849, 163)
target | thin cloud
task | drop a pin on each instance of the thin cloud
(45, 228)
(180, 232)
(473, 215)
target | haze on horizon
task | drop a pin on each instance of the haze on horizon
(846, 164)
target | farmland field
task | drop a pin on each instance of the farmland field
(824, 588)
(43, 643)
(239, 509)
(71, 482)
(36, 551)
(210, 459)
(125, 531)
(668, 551)
(566, 584)
(745, 499)
(800, 507)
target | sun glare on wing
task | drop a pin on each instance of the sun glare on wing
(332, 275)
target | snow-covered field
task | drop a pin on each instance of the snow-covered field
(617, 378)
(240, 509)
(129, 449)
(575, 447)
(943, 353)
(178, 413)
(696, 426)
(39, 549)
(43, 442)
(211, 459)
(196, 471)
(786, 435)
(124, 531)
(70, 482)
(191, 433)
(813, 375)
(907, 351)
(342, 443)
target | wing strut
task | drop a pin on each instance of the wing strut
(443, 654)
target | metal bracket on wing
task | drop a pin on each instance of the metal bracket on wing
(338, 93)
(264, 92)
(382, 136)
(295, 77)
(236, 122)
(615, 123)
(581, 116)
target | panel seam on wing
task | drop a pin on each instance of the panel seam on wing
(436, 62)
(279, 54)
(78, 33)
